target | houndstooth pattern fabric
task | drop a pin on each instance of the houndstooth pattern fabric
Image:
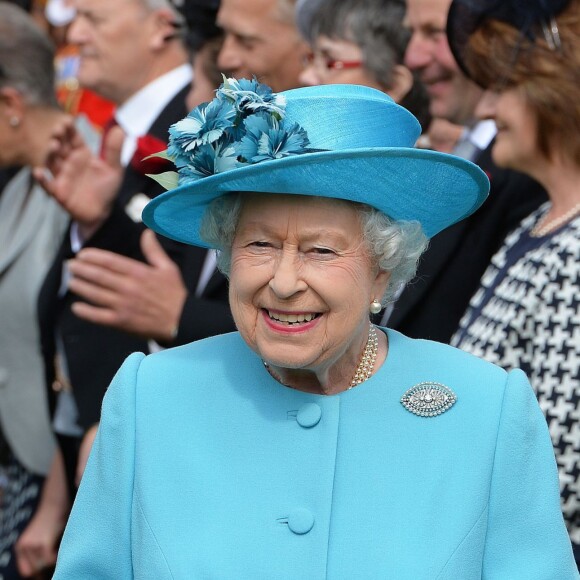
(526, 314)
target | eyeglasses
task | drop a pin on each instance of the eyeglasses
(324, 63)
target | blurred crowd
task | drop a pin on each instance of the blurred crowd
(88, 91)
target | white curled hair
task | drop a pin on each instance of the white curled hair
(395, 246)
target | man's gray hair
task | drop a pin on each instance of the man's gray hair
(26, 56)
(172, 5)
(395, 246)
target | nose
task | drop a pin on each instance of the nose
(287, 278)
(418, 53)
(486, 106)
(76, 32)
(309, 77)
(229, 55)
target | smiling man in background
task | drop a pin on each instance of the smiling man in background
(432, 305)
(262, 40)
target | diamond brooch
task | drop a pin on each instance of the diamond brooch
(428, 399)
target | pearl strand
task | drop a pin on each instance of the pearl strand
(542, 228)
(366, 365)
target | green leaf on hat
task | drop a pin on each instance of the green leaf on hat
(168, 180)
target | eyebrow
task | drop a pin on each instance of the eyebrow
(258, 228)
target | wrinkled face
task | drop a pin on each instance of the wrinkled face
(516, 140)
(301, 280)
(116, 39)
(258, 41)
(452, 95)
(336, 61)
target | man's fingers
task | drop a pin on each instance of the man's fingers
(107, 260)
(113, 145)
(44, 177)
(154, 252)
(95, 314)
(23, 564)
(94, 293)
(31, 561)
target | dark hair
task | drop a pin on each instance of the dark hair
(24, 4)
(200, 19)
(498, 56)
(26, 56)
(376, 26)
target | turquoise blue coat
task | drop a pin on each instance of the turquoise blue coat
(206, 468)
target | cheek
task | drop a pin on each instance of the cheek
(246, 282)
(344, 287)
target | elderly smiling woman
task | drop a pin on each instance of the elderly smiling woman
(312, 444)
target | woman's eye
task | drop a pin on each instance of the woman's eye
(323, 251)
(260, 244)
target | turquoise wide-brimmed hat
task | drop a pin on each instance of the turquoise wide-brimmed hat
(337, 141)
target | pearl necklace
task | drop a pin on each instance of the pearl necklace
(365, 367)
(542, 228)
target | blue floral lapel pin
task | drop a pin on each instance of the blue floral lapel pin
(428, 399)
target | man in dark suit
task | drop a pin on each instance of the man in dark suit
(450, 270)
(150, 298)
(132, 52)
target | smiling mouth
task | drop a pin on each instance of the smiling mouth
(292, 319)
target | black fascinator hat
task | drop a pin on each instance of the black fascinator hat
(200, 19)
(527, 16)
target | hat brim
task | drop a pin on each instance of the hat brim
(433, 188)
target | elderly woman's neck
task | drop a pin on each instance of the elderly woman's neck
(337, 378)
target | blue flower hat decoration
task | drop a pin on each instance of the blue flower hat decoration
(243, 125)
(338, 141)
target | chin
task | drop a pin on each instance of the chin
(501, 159)
(287, 359)
(439, 108)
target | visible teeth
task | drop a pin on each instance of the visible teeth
(291, 318)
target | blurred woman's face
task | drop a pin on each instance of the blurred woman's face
(301, 281)
(516, 140)
(336, 61)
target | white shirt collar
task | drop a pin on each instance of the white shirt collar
(482, 133)
(136, 115)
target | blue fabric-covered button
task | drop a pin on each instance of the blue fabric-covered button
(309, 415)
(300, 521)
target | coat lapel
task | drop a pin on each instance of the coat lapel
(19, 217)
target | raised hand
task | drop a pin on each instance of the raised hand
(83, 183)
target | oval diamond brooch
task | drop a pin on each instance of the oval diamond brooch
(428, 399)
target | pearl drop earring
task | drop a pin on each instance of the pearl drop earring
(375, 307)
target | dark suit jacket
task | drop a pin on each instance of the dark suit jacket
(94, 352)
(432, 304)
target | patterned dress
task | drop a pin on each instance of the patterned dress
(526, 314)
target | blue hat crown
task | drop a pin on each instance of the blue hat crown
(247, 123)
(336, 141)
